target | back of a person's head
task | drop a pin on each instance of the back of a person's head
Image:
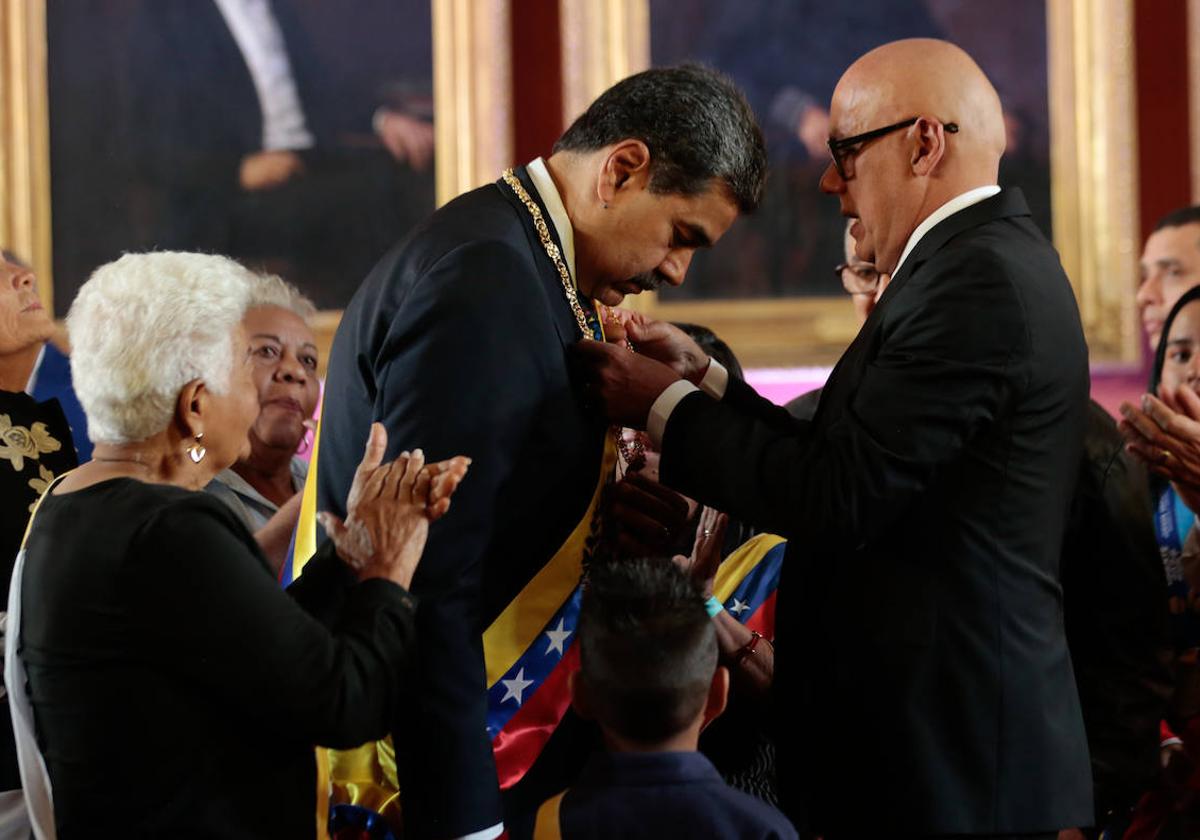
(1179, 218)
(648, 649)
(714, 346)
(145, 325)
(273, 290)
(696, 124)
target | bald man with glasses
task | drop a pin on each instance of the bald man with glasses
(923, 679)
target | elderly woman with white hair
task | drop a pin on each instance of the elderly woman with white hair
(173, 689)
(263, 487)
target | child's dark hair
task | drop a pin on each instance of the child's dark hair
(648, 649)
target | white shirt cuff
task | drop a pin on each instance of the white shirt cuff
(660, 412)
(716, 380)
(485, 833)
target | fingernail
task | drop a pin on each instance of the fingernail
(1125, 409)
(1145, 402)
(418, 452)
(403, 454)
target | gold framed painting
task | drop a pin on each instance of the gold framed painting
(1064, 69)
(135, 124)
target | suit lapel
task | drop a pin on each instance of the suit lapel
(1004, 204)
(564, 318)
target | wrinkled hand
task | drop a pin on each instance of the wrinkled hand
(624, 384)
(706, 552)
(409, 140)
(266, 170)
(1165, 434)
(659, 340)
(649, 518)
(389, 509)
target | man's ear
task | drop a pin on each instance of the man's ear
(626, 165)
(191, 408)
(578, 691)
(930, 146)
(718, 696)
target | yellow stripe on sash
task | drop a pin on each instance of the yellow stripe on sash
(548, 825)
(515, 629)
(736, 566)
(306, 526)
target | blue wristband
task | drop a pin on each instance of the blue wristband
(713, 606)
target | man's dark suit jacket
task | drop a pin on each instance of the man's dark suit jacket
(923, 679)
(457, 343)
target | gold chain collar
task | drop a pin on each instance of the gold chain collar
(552, 251)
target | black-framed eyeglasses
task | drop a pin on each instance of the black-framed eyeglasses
(858, 278)
(840, 149)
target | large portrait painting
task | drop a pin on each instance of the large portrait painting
(1063, 70)
(289, 134)
(301, 136)
(787, 57)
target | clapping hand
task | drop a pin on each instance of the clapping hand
(1165, 434)
(389, 509)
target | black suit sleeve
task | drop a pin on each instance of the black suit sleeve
(454, 380)
(209, 602)
(951, 354)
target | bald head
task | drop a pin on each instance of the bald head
(929, 78)
(894, 182)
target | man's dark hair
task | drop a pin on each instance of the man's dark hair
(1179, 218)
(714, 346)
(648, 649)
(696, 124)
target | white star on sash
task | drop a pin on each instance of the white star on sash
(739, 607)
(558, 638)
(515, 688)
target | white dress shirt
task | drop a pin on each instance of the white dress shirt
(544, 184)
(258, 36)
(716, 378)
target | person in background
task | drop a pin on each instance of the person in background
(1170, 265)
(263, 488)
(864, 284)
(46, 371)
(649, 675)
(1172, 808)
(36, 445)
(150, 648)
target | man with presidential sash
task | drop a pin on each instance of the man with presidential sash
(458, 341)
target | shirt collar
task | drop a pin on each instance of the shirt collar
(637, 769)
(544, 184)
(959, 202)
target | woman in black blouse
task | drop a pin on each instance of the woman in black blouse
(175, 690)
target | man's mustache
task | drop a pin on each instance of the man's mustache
(648, 281)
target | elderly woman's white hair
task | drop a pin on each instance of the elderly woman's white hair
(273, 290)
(144, 326)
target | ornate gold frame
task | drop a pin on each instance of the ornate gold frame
(472, 103)
(1093, 179)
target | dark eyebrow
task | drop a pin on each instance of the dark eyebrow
(697, 236)
(1177, 341)
(1168, 262)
